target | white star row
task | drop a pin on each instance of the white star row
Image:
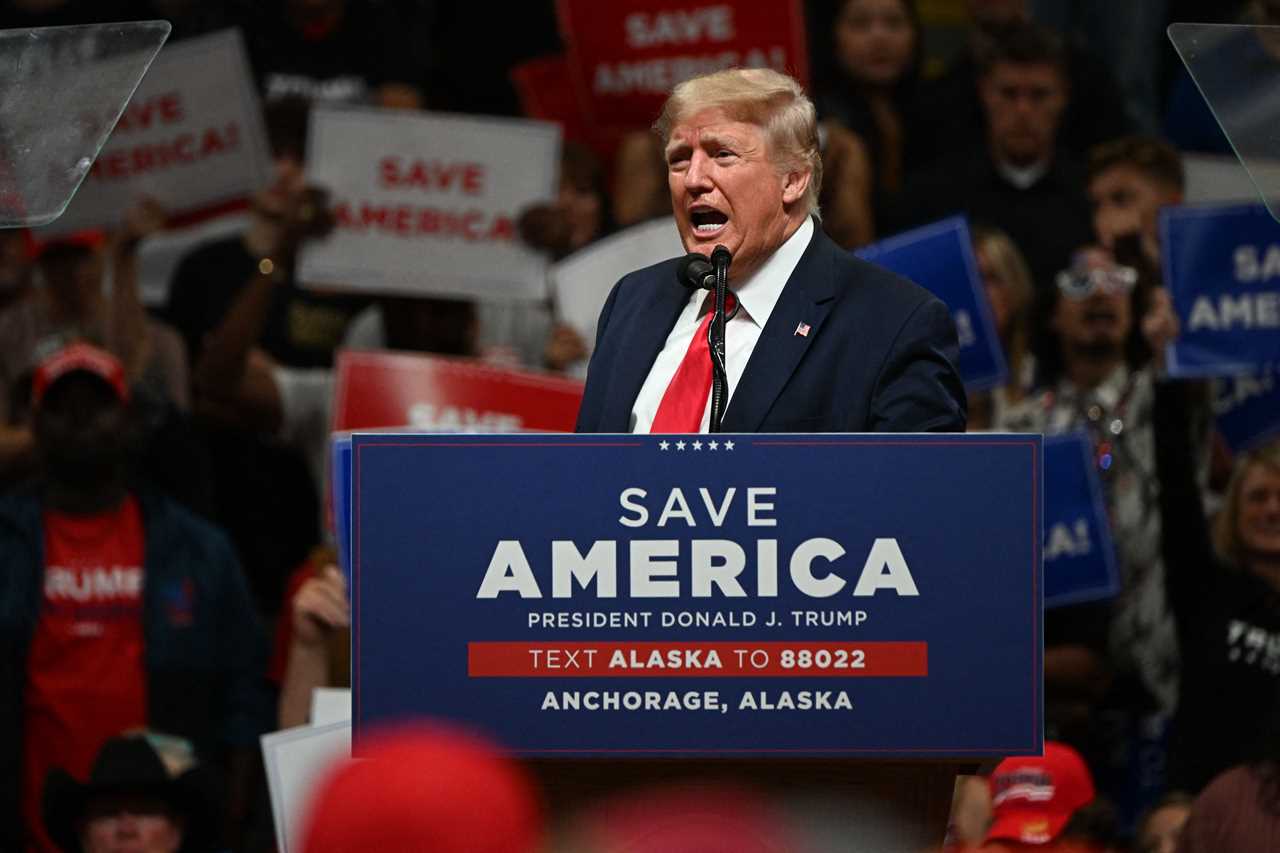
(696, 445)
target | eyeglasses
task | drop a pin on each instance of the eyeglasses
(1080, 283)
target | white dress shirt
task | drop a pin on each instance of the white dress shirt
(757, 296)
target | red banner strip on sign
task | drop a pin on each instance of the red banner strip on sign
(719, 659)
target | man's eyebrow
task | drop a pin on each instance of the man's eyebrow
(720, 140)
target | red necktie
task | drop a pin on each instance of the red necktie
(686, 396)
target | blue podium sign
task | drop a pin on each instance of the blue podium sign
(1079, 556)
(1222, 268)
(939, 258)
(732, 595)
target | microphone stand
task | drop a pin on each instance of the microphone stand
(720, 259)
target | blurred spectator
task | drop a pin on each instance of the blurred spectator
(1159, 829)
(877, 47)
(1020, 181)
(1239, 811)
(145, 794)
(1115, 661)
(1007, 283)
(578, 214)
(640, 179)
(312, 645)
(1129, 180)
(425, 788)
(303, 328)
(124, 609)
(1126, 39)
(335, 50)
(68, 304)
(952, 108)
(238, 293)
(1034, 799)
(1224, 588)
(847, 187)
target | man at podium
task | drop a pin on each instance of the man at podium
(816, 340)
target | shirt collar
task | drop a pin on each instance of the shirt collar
(761, 291)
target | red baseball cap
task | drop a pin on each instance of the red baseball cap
(79, 357)
(426, 787)
(1033, 798)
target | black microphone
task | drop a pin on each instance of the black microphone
(696, 272)
(721, 257)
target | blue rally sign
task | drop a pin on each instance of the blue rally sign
(939, 257)
(1222, 268)
(1247, 409)
(703, 595)
(1079, 556)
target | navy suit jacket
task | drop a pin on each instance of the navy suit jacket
(880, 354)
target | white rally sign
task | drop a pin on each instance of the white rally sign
(582, 281)
(191, 137)
(427, 203)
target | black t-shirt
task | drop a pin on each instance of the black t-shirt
(1048, 220)
(303, 328)
(374, 43)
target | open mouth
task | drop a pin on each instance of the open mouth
(707, 221)
(1099, 316)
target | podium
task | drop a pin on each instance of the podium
(825, 618)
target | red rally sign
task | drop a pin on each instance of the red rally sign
(377, 390)
(626, 55)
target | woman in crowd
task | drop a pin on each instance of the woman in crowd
(1007, 283)
(877, 46)
(1224, 589)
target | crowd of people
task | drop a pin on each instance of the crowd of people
(168, 591)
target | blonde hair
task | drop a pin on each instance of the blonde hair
(763, 97)
(1226, 527)
(1012, 268)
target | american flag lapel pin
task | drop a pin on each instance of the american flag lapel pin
(803, 330)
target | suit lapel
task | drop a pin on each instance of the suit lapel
(806, 299)
(645, 336)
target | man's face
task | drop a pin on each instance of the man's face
(1024, 106)
(1096, 324)
(130, 824)
(1127, 201)
(726, 191)
(1259, 518)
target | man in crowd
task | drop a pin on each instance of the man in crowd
(147, 793)
(1019, 179)
(820, 341)
(1101, 356)
(1129, 180)
(118, 609)
(951, 106)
